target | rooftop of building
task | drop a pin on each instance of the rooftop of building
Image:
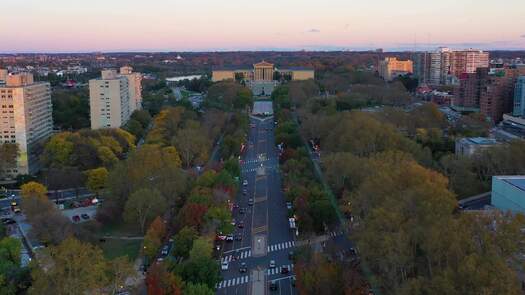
(480, 140)
(296, 69)
(517, 181)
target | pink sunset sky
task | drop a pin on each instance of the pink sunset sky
(200, 25)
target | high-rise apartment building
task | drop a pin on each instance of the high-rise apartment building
(498, 94)
(391, 67)
(468, 91)
(25, 118)
(109, 100)
(444, 65)
(422, 67)
(134, 86)
(467, 61)
(519, 98)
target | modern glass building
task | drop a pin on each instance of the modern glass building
(519, 98)
(508, 193)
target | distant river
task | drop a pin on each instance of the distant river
(177, 79)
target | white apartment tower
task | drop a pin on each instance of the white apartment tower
(109, 100)
(135, 88)
(25, 118)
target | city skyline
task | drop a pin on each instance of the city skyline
(204, 25)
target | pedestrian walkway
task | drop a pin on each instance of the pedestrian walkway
(281, 246)
(277, 270)
(233, 282)
(241, 255)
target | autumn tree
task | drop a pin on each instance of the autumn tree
(97, 179)
(160, 281)
(154, 236)
(73, 267)
(119, 270)
(144, 205)
(183, 241)
(8, 154)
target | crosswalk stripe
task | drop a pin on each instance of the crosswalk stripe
(249, 253)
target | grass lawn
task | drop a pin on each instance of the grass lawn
(114, 248)
(120, 230)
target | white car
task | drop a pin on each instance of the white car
(245, 182)
(224, 265)
(272, 263)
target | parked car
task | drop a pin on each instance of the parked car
(229, 238)
(250, 202)
(242, 210)
(85, 216)
(245, 182)
(238, 237)
(243, 268)
(75, 218)
(240, 224)
(17, 210)
(165, 250)
(8, 221)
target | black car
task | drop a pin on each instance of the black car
(8, 221)
(240, 224)
(238, 237)
(242, 210)
(243, 268)
(273, 286)
(285, 270)
(85, 216)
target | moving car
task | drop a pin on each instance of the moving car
(285, 270)
(238, 237)
(240, 224)
(243, 268)
(250, 201)
(273, 286)
(245, 182)
(242, 210)
(272, 263)
(224, 265)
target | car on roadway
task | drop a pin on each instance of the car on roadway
(220, 237)
(250, 201)
(285, 269)
(289, 205)
(272, 264)
(242, 210)
(75, 218)
(245, 182)
(243, 268)
(252, 125)
(85, 216)
(229, 238)
(240, 224)
(8, 221)
(291, 255)
(235, 206)
(273, 286)
(224, 265)
(17, 210)
(238, 237)
(244, 192)
(165, 250)
(14, 204)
